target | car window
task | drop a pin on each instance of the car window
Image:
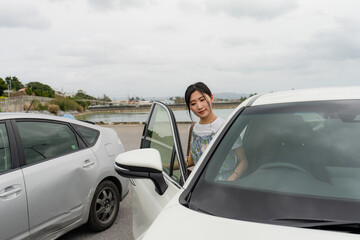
(159, 135)
(176, 174)
(44, 140)
(298, 154)
(90, 135)
(5, 156)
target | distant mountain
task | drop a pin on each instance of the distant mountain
(224, 95)
(230, 95)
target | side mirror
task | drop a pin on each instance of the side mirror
(142, 163)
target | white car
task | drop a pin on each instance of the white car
(301, 182)
(55, 175)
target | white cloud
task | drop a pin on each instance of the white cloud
(105, 5)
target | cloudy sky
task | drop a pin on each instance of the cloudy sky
(158, 47)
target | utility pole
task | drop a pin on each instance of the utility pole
(9, 89)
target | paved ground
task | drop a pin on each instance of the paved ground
(130, 135)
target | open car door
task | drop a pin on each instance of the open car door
(160, 133)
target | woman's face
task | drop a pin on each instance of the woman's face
(199, 104)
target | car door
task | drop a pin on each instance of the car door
(13, 206)
(160, 132)
(60, 174)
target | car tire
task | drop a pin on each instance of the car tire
(104, 206)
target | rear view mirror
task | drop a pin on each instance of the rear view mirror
(142, 163)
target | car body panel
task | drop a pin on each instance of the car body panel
(147, 203)
(109, 137)
(203, 226)
(59, 192)
(14, 214)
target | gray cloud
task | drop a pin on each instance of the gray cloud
(166, 28)
(337, 44)
(259, 9)
(238, 41)
(83, 53)
(22, 15)
(189, 6)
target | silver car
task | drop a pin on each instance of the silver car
(55, 175)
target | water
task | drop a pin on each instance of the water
(180, 116)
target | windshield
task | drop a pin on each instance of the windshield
(303, 162)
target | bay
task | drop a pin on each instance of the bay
(122, 117)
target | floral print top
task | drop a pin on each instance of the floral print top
(200, 142)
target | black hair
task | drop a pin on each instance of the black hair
(199, 86)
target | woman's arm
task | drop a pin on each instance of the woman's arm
(242, 165)
(188, 161)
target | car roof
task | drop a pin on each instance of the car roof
(23, 115)
(305, 95)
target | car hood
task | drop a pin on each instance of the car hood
(179, 222)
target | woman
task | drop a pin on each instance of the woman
(199, 99)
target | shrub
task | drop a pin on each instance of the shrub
(36, 105)
(84, 104)
(80, 108)
(53, 108)
(65, 104)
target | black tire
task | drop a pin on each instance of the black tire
(104, 206)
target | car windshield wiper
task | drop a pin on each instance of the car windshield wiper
(321, 224)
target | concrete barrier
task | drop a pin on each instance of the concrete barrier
(16, 104)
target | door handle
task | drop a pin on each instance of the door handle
(10, 191)
(88, 163)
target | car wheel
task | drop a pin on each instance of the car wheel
(104, 206)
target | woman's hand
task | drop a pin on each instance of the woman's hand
(189, 161)
(233, 176)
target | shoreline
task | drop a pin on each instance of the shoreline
(146, 109)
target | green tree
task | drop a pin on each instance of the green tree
(28, 91)
(82, 95)
(3, 86)
(179, 100)
(105, 98)
(41, 90)
(14, 83)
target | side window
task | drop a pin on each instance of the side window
(43, 140)
(176, 174)
(90, 135)
(5, 156)
(159, 135)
